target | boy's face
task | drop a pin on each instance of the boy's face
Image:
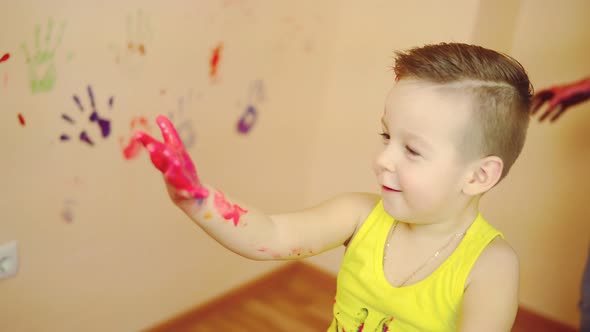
(420, 168)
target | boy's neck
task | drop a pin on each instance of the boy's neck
(453, 223)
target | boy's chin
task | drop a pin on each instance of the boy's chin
(395, 212)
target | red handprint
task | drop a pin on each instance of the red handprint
(171, 159)
(561, 97)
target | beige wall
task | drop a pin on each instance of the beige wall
(543, 205)
(129, 259)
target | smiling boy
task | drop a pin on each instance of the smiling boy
(419, 255)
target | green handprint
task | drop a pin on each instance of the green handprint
(42, 72)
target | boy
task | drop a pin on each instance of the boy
(419, 256)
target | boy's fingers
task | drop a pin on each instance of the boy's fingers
(168, 131)
(157, 150)
(199, 192)
(146, 140)
(183, 186)
(133, 146)
(159, 158)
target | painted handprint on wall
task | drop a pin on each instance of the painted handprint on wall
(256, 95)
(41, 63)
(92, 116)
(67, 211)
(184, 126)
(74, 186)
(130, 53)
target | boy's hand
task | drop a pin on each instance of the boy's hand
(171, 159)
(561, 97)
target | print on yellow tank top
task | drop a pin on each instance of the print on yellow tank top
(365, 301)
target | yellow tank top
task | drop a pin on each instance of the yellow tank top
(365, 301)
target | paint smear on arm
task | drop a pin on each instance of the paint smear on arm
(228, 210)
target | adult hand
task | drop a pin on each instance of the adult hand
(560, 98)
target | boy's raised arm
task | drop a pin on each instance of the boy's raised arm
(240, 227)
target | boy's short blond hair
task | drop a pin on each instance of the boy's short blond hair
(497, 85)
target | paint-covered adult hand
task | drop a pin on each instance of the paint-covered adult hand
(171, 158)
(560, 98)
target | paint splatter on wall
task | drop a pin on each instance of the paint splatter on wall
(5, 57)
(21, 119)
(91, 116)
(214, 62)
(42, 61)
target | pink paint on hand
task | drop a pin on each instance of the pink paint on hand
(228, 210)
(170, 158)
(131, 150)
(5, 57)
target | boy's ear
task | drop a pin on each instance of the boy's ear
(484, 175)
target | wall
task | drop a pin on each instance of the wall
(101, 247)
(542, 205)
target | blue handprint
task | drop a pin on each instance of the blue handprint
(256, 95)
(103, 123)
(184, 126)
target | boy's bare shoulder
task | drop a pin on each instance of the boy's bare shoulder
(362, 204)
(490, 299)
(497, 261)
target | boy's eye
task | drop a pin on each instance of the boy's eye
(412, 151)
(384, 135)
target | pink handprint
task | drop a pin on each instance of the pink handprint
(171, 159)
(561, 97)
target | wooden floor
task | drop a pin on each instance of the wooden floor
(297, 297)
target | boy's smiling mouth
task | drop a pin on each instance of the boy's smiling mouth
(386, 188)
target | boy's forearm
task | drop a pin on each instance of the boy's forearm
(238, 227)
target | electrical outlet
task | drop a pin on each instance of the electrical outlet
(8, 259)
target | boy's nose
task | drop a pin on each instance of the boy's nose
(386, 160)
